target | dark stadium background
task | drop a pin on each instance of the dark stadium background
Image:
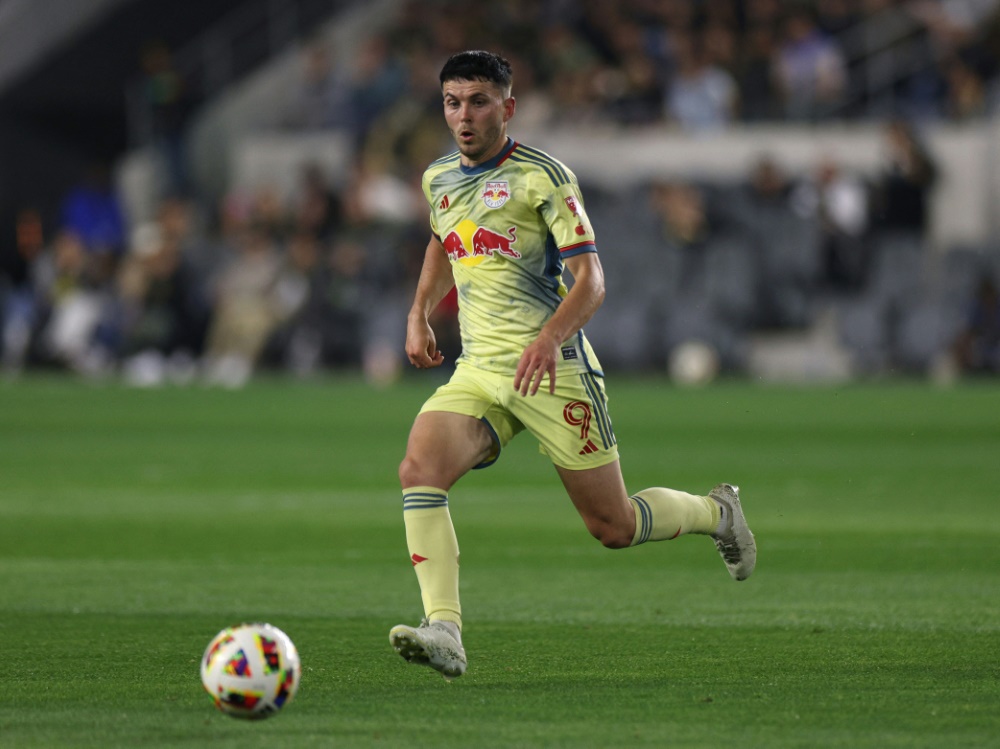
(752, 297)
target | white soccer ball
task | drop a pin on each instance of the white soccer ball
(693, 363)
(251, 671)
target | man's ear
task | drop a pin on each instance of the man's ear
(509, 105)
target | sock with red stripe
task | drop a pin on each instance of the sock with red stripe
(662, 514)
(430, 537)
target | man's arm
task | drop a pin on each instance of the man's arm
(540, 357)
(435, 282)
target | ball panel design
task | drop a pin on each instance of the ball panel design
(251, 670)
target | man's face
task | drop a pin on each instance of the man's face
(477, 113)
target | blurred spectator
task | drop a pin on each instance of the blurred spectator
(685, 229)
(701, 97)
(20, 310)
(297, 344)
(571, 68)
(965, 91)
(780, 242)
(977, 348)
(635, 96)
(755, 75)
(269, 214)
(247, 308)
(809, 68)
(346, 304)
(721, 44)
(80, 324)
(321, 98)
(316, 207)
(379, 79)
(767, 188)
(93, 212)
(681, 207)
(763, 192)
(168, 105)
(839, 202)
(631, 89)
(902, 193)
(376, 195)
(165, 312)
(179, 221)
(84, 326)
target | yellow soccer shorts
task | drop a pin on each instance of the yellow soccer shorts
(572, 425)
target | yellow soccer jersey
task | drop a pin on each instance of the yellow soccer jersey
(507, 225)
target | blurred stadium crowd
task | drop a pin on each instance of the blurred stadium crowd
(213, 289)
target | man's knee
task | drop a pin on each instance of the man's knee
(411, 473)
(429, 470)
(610, 534)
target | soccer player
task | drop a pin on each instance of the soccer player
(506, 219)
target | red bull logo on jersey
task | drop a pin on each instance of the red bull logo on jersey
(470, 244)
(495, 194)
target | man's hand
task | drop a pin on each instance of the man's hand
(537, 360)
(541, 357)
(434, 283)
(421, 344)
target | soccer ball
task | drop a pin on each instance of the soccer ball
(693, 363)
(251, 671)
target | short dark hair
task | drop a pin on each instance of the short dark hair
(478, 65)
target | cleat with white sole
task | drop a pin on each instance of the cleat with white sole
(735, 542)
(431, 644)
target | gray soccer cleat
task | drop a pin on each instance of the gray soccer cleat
(430, 644)
(735, 542)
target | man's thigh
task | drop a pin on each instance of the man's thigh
(475, 393)
(572, 425)
(443, 447)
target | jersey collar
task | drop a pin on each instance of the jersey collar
(492, 163)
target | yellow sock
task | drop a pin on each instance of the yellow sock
(430, 537)
(667, 513)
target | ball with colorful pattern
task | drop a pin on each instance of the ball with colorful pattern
(251, 671)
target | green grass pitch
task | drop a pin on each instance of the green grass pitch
(135, 524)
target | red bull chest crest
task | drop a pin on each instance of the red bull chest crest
(470, 244)
(495, 194)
